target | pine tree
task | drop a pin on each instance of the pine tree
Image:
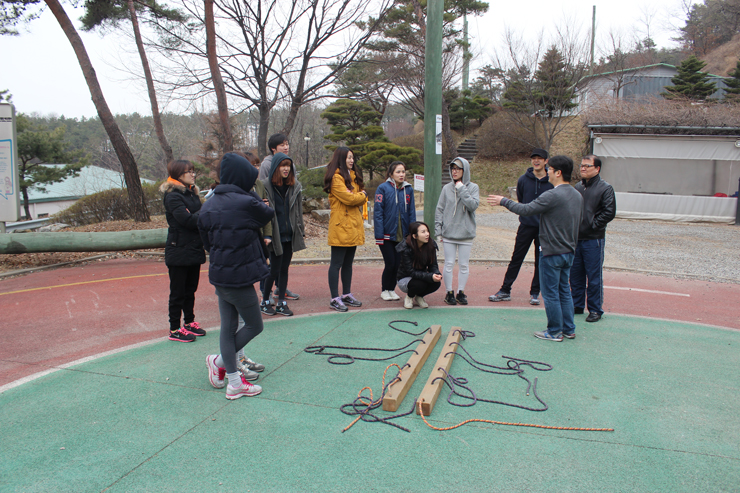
(732, 92)
(357, 125)
(555, 90)
(690, 82)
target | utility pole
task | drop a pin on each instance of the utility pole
(466, 54)
(593, 41)
(433, 110)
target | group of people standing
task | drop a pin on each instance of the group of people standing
(568, 227)
(252, 223)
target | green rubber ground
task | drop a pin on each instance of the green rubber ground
(148, 420)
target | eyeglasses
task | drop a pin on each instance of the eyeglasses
(586, 166)
(192, 172)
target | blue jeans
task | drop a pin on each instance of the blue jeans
(555, 288)
(587, 267)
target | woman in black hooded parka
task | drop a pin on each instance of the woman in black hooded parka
(229, 225)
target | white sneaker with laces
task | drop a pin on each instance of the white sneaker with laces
(386, 296)
(408, 303)
(420, 301)
(394, 296)
(246, 388)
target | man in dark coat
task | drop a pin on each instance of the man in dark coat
(599, 208)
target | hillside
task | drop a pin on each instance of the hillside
(723, 58)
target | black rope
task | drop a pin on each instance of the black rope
(360, 407)
(343, 358)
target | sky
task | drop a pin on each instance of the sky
(42, 73)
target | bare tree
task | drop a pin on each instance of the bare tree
(540, 80)
(271, 51)
(218, 83)
(137, 200)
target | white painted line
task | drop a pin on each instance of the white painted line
(648, 291)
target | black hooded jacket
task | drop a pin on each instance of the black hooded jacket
(229, 223)
(406, 267)
(528, 188)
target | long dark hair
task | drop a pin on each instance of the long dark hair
(426, 255)
(339, 162)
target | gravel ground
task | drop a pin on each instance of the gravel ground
(705, 251)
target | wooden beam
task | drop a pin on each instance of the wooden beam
(431, 390)
(396, 392)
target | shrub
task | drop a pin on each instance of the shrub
(110, 205)
(312, 181)
(499, 138)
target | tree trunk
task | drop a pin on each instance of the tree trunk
(150, 85)
(24, 192)
(218, 82)
(447, 133)
(264, 125)
(137, 201)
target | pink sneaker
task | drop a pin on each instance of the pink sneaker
(246, 388)
(194, 329)
(216, 374)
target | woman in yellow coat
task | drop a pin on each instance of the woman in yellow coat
(347, 197)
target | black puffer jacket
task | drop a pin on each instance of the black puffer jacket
(229, 223)
(182, 206)
(406, 268)
(599, 208)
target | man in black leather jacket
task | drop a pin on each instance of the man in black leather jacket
(599, 208)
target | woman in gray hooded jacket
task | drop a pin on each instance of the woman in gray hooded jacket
(454, 223)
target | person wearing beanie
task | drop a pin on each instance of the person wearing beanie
(229, 225)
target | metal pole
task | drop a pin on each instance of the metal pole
(466, 54)
(593, 42)
(433, 110)
(737, 209)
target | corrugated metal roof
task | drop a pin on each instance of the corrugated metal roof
(92, 179)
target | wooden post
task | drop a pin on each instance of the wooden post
(396, 392)
(83, 242)
(431, 390)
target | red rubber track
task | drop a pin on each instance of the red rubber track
(54, 317)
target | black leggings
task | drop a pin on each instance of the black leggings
(279, 270)
(417, 287)
(341, 259)
(183, 285)
(392, 260)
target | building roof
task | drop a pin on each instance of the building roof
(635, 69)
(91, 179)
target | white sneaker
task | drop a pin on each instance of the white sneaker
(386, 296)
(245, 389)
(394, 296)
(420, 301)
(408, 302)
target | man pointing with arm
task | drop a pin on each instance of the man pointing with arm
(560, 212)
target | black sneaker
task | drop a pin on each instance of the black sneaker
(336, 303)
(500, 296)
(266, 308)
(289, 295)
(282, 309)
(194, 328)
(181, 336)
(450, 298)
(350, 300)
(461, 298)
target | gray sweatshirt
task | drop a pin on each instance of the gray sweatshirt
(560, 212)
(454, 218)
